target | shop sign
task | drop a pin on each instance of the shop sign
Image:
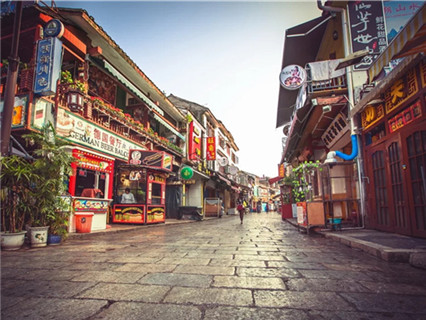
(194, 141)
(211, 148)
(42, 113)
(281, 170)
(405, 117)
(91, 205)
(155, 214)
(367, 28)
(48, 66)
(423, 73)
(401, 90)
(186, 173)
(129, 213)
(79, 131)
(371, 115)
(335, 131)
(151, 159)
(293, 77)
(19, 111)
(93, 162)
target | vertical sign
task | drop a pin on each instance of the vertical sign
(367, 28)
(48, 66)
(281, 170)
(194, 141)
(211, 148)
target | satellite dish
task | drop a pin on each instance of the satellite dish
(223, 161)
(233, 170)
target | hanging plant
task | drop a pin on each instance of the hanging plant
(302, 176)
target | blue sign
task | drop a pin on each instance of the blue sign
(48, 66)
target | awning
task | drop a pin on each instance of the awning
(222, 179)
(300, 47)
(117, 74)
(168, 126)
(410, 40)
(384, 84)
(273, 180)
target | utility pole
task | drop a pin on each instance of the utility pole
(12, 76)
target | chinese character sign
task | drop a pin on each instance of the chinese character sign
(194, 141)
(281, 170)
(367, 29)
(211, 148)
(48, 66)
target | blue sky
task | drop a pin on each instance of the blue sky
(223, 55)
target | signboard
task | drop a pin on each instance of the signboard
(211, 148)
(42, 113)
(397, 14)
(194, 145)
(405, 117)
(129, 213)
(155, 214)
(401, 90)
(93, 162)
(75, 129)
(281, 170)
(367, 29)
(371, 115)
(20, 112)
(335, 131)
(151, 159)
(48, 66)
(293, 77)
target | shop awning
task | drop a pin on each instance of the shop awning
(300, 47)
(273, 180)
(168, 126)
(222, 179)
(120, 77)
(410, 40)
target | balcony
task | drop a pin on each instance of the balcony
(323, 80)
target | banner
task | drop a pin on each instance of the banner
(211, 148)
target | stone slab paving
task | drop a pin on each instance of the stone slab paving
(209, 270)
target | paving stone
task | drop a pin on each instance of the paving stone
(242, 313)
(237, 263)
(397, 303)
(145, 311)
(46, 308)
(133, 259)
(177, 279)
(248, 282)
(145, 268)
(300, 300)
(209, 270)
(397, 288)
(109, 276)
(321, 285)
(342, 315)
(184, 261)
(267, 272)
(125, 292)
(90, 266)
(258, 257)
(333, 274)
(215, 296)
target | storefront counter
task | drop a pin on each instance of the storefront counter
(99, 207)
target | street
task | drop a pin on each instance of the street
(214, 269)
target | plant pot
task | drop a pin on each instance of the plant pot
(38, 236)
(54, 240)
(12, 241)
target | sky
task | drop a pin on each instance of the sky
(223, 55)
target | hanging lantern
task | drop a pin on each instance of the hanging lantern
(75, 101)
(186, 173)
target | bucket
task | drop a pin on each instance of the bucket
(83, 222)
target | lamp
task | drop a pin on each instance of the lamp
(75, 100)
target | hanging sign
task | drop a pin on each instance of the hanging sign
(211, 148)
(186, 173)
(293, 77)
(48, 66)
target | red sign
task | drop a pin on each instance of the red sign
(211, 148)
(194, 141)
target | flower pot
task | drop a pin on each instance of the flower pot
(12, 241)
(38, 236)
(54, 240)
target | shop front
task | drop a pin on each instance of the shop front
(140, 188)
(90, 186)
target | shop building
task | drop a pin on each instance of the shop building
(99, 100)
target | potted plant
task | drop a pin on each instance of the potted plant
(58, 224)
(16, 177)
(51, 165)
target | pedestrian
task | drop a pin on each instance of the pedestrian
(127, 197)
(240, 209)
(267, 208)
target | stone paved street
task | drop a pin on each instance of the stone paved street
(214, 269)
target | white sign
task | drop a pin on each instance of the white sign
(82, 132)
(335, 131)
(293, 77)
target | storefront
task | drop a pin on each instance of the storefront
(90, 186)
(140, 188)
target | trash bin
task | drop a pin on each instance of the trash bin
(83, 222)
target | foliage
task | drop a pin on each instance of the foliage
(16, 192)
(50, 166)
(66, 78)
(302, 178)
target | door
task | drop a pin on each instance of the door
(415, 173)
(387, 195)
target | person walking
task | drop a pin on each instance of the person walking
(240, 208)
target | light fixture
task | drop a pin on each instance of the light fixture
(75, 100)
(326, 108)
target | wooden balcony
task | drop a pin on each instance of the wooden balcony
(333, 86)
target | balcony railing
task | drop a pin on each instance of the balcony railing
(332, 85)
